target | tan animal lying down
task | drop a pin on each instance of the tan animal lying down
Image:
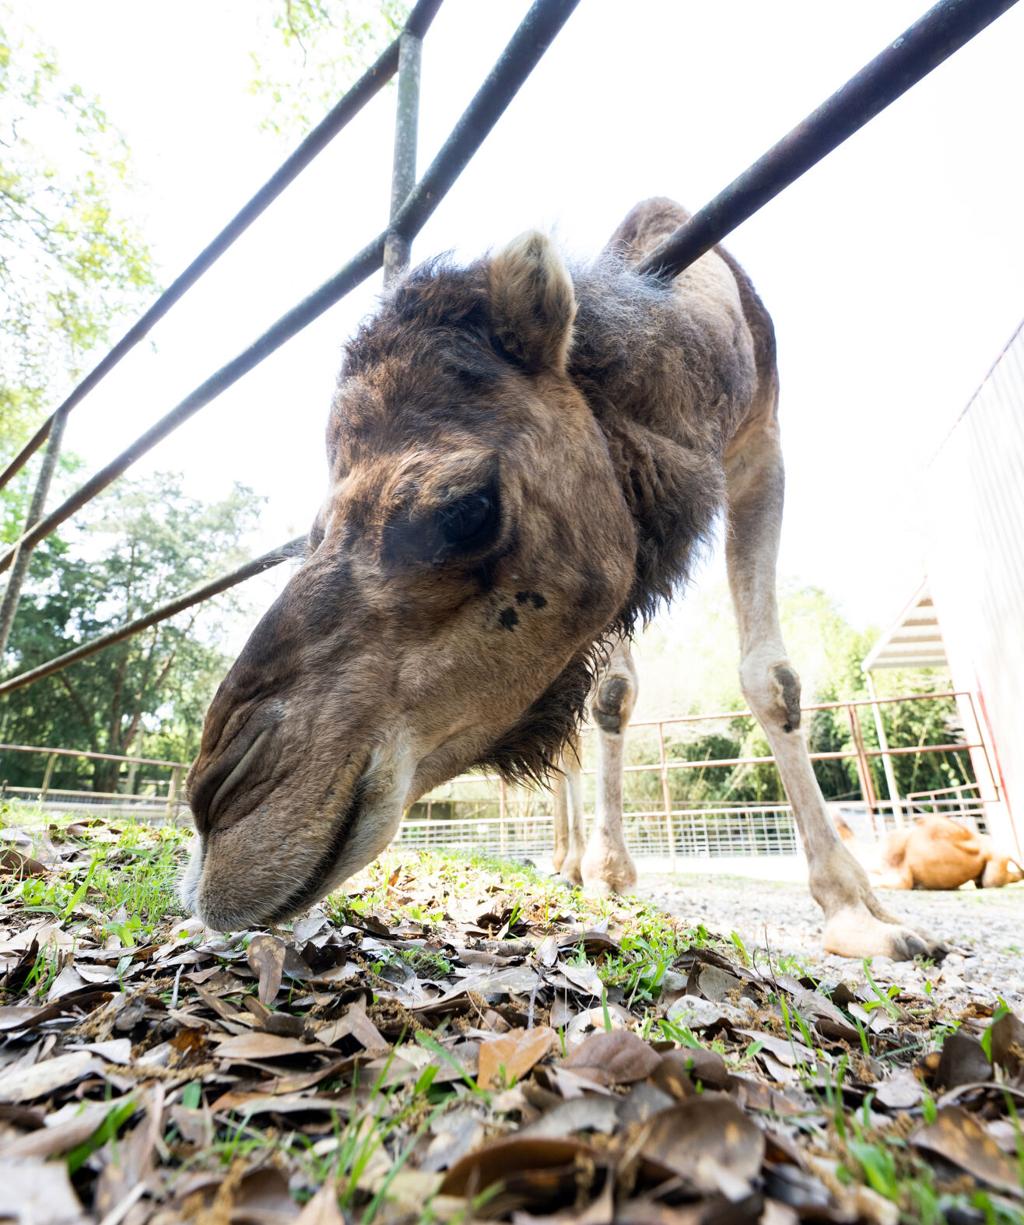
(938, 853)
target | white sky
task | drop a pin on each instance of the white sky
(893, 270)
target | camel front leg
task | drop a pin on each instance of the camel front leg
(607, 865)
(569, 835)
(560, 816)
(856, 923)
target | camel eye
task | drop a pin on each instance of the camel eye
(469, 522)
(461, 528)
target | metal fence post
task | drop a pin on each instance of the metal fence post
(503, 816)
(51, 761)
(883, 744)
(403, 169)
(174, 793)
(12, 593)
(666, 798)
(867, 783)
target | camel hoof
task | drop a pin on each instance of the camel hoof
(607, 866)
(608, 884)
(855, 932)
(908, 944)
(570, 872)
(602, 889)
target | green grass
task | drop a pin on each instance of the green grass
(130, 881)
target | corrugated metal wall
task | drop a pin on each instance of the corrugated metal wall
(975, 496)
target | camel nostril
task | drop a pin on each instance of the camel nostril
(236, 775)
(211, 787)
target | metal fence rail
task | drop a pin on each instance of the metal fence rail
(940, 32)
(483, 811)
(314, 143)
(139, 796)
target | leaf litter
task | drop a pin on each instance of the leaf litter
(461, 1040)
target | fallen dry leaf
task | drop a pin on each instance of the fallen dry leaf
(24, 1084)
(265, 955)
(389, 1025)
(962, 1140)
(510, 1057)
(709, 1142)
(322, 1209)
(615, 1058)
(1008, 1043)
(512, 1160)
(265, 1046)
(354, 1023)
(134, 1159)
(901, 1091)
(17, 864)
(37, 1191)
(577, 1114)
(963, 1061)
(64, 1129)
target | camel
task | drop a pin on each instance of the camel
(936, 852)
(524, 462)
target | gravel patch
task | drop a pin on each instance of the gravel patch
(985, 927)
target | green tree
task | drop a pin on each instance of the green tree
(70, 259)
(138, 545)
(312, 51)
(693, 668)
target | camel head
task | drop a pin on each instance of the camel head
(474, 545)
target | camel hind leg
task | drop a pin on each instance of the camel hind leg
(560, 817)
(856, 924)
(568, 808)
(607, 866)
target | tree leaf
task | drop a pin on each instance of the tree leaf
(265, 955)
(959, 1138)
(511, 1056)
(615, 1058)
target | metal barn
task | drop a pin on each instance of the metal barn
(969, 616)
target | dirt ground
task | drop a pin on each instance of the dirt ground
(985, 927)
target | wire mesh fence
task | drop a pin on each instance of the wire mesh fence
(680, 802)
(707, 833)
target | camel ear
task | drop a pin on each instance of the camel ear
(532, 302)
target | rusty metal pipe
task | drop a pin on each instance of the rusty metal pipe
(397, 250)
